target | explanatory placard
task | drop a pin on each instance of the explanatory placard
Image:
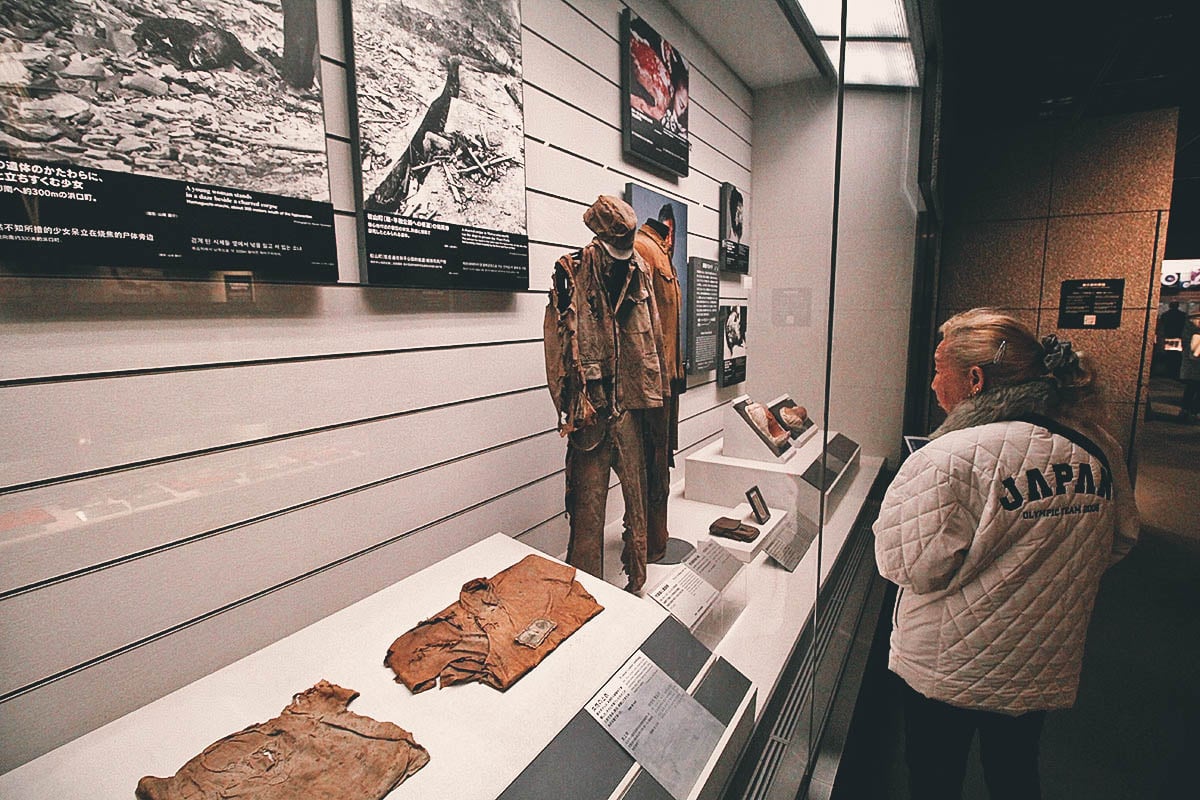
(665, 729)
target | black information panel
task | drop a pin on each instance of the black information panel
(704, 278)
(62, 219)
(414, 252)
(735, 257)
(1091, 303)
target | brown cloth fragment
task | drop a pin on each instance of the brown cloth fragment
(499, 629)
(314, 750)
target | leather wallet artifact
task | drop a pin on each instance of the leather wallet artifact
(730, 528)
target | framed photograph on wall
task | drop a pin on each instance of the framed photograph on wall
(731, 323)
(163, 139)
(654, 97)
(734, 252)
(441, 134)
(667, 217)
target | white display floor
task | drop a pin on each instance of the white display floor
(767, 606)
(503, 731)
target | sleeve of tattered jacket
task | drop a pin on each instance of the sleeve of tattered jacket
(924, 530)
(564, 372)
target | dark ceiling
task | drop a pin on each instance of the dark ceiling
(1064, 59)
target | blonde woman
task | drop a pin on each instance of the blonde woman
(997, 533)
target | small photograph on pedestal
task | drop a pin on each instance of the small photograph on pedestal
(792, 417)
(731, 319)
(735, 253)
(654, 90)
(762, 423)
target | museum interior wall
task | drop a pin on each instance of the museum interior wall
(325, 441)
(1028, 208)
(795, 137)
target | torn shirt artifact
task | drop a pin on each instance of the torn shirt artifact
(500, 628)
(314, 750)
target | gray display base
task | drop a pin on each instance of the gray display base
(677, 551)
(584, 763)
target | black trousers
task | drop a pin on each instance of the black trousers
(938, 740)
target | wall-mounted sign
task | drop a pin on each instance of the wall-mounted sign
(654, 97)
(735, 253)
(1094, 303)
(179, 140)
(732, 337)
(442, 143)
(704, 284)
(670, 215)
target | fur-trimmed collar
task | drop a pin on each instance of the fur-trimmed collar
(1002, 403)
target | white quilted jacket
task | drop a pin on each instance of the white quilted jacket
(997, 535)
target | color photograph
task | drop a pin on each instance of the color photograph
(654, 82)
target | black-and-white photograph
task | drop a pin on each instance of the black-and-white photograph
(182, 138)
(442, 140)
(221, 92)
(732, 323)
(655, 99)
(735, 252)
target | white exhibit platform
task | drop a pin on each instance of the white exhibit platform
(479, 739)
(719, 479)
(746, 551)
(764, 612)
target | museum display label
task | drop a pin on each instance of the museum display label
(703, 300)
(685, 595)
(786, 548)
(666, 730)
(1094, 303)
(713, 564)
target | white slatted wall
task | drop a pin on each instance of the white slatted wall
(181, 485)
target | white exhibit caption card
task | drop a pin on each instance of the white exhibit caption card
(694, 586)
(714, 564)
(685, 595)
(786, 550)
(665, 729)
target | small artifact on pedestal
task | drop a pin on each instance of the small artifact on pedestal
(730, 528)
(764, 420)
(795, 418)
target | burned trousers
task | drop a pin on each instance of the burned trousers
(609, 444)
(657, 444)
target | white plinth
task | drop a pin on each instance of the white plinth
(716, 478)
(746, 551)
